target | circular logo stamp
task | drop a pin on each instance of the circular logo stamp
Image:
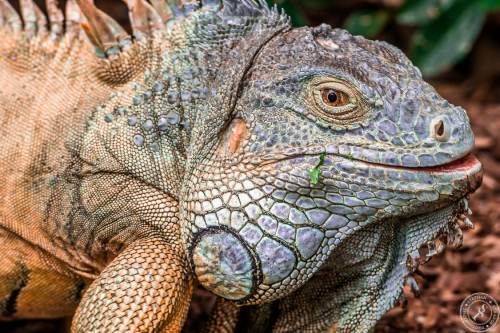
(479, 312)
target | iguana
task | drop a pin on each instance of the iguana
(304, 168)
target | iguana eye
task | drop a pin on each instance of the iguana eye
(332, 97)
(335, 101)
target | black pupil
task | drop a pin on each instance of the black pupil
(332, 96)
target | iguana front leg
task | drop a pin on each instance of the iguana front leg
(147, 288)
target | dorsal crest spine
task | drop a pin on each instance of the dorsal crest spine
(104, 33)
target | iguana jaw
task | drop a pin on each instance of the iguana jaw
(427, 234)
(450, 180)
(463, 174)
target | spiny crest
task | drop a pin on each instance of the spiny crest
(35, 21)
(106, 35)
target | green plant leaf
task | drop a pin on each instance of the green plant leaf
(367, 23)
(419, 12)
(447, 39)
(316, 172)
(490, 5)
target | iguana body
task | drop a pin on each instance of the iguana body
(187, 154)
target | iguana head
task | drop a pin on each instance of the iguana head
(330, 133)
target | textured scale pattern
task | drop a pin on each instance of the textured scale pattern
(140, 291)
(135, 168)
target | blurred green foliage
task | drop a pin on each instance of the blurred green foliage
(444, 31)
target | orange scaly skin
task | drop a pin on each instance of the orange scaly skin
(40, 109)
(49, 88)
(43, 83)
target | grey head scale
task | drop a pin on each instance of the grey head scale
(391, 154)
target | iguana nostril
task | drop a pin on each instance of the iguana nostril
(439, 130)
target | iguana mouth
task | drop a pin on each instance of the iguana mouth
(467, 170)
(467, 163)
